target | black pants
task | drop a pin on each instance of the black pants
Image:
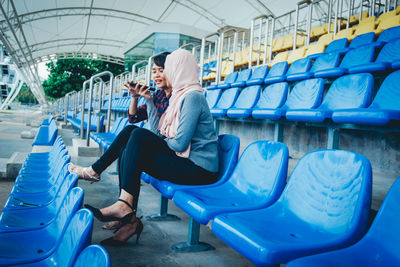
(144, 151)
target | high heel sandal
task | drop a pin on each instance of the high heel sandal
(126, 220)
(85, 174)
(99, 216)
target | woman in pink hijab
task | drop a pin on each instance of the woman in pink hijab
(187, 152)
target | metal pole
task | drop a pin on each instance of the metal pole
(235, 40)
(310, 8)
(251, 42)
(259, 42)
(202, 48)
(266, 40)
(296, 24)
(373, 8)
(134, 68)
(336, 18)
(83, 106)
(339, 26)
(329, 15)
(219, 62)
(271, 40)
(349, 14)
(361, 9)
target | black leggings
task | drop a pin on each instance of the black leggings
(145, 151)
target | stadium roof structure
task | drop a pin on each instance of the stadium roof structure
(40, 30)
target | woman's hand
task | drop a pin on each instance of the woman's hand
(139, 90)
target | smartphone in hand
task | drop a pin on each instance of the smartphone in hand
(133, 84)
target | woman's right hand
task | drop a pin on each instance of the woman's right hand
(139, 90)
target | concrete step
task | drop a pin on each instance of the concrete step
(3, 168)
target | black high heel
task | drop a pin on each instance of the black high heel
(125, 221)
(99, 216)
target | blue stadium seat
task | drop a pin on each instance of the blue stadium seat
(337, 46)
(225, 102)
(299, 70)
(227, 82)
(323, 62)
(355, 57)
(377, 248)
(30, 217)
(384, 108)
(363, 39)
(349, 91)
(212, 97)
(93, 256)
(243, 76)
(277, 73)
(305, 94)
(256, 182)
(324, 206)
(389, 34)
(46, 135)
(273, 97)
(245, 102)
(258, 76)
(98, 136)
(47, 121)
(38, 244)
(76, 122)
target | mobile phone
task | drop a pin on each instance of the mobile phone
(133, 84)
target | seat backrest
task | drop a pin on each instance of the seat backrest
(365, 28)
(363, 39)
(385, 227)
(388, 96)
(326, 61)
(228, 98)
(76, 237)
(326, 38)
(305, 94)
(93, 255)
(281, 57)
(388, 23)
(248, 97)
(331, 190)
(390, 52)
(228, 152)
(299, 66)
(346, 33)
(296, 54)
(244, 75)
(116, 124)
(213, 97)
(389, 34)
(358, 56)
(349, 91)
(231, 77)
(273, 96)
(336, 45)
(315, 49)
(261, 170)
(278, 69)
(260, 72)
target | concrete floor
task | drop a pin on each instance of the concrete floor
(157, 237)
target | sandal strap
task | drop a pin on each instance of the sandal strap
(129, 205)
(85, 171)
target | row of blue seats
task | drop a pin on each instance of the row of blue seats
(76, 122)
(326, 65)
(46, 134)
(42, 223)
(324, 206)
(348, 100)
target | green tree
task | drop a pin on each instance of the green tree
(25, 96)
(67, 75)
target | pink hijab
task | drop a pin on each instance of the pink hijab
(182, 72)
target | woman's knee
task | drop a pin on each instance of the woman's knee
(141, 135)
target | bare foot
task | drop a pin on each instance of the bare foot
(112, 225)
(84, 173)
(118, 209)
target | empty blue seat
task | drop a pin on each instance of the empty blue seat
(354, 58)
(324, 206)
(378, 247)
(277, 73)
(256, 182)
(93, 256)
(389, 56)
(225, 102)
(389, 34)
(212, 97)
(32, 246)
(323, 62)
(349, 91)
(243, 76)
(273, 97)
(29, 217)
(258, 76)
(227, 82)
(245, 102)
(362, 39)
(46, 135)
(337, 46)
(299, 70)
(384, 108)
(305, 94)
